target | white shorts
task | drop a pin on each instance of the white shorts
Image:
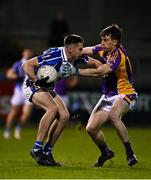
(18, 97)
(30, 89)
(106, 102)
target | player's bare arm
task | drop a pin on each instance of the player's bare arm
(94, 62)
(11, 74)
(29, 66)
(100, 71)
(88, 50)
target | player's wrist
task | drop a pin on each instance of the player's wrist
(76, 71)
(37, 82)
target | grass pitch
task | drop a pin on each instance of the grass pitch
(77, 152)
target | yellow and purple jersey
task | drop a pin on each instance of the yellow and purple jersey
(119, 81)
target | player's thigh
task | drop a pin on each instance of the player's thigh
(119, 108)
(44, 100)
(15, 109)
(14, 112)
(97, 118)
(63, 112)
(27, 108)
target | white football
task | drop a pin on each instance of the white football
(49, 71)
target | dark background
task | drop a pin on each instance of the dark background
(25, 23)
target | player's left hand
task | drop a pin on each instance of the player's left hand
(43, 83)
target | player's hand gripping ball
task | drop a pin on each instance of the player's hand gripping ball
(47, 71)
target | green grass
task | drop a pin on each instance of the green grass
(77, 152)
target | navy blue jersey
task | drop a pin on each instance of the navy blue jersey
(56, 56)
(17, 68)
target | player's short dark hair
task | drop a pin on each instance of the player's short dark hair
(73, 39)
(114, 31)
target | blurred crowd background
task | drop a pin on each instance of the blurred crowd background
(38, 25)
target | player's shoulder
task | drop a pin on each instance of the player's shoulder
(122, 50)
(51, 54)
(17, 63)
(97, 49)
(54, 50)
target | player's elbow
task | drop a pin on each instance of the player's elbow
(24, 65)
(9, 74)
(99, 71)
(104, 70)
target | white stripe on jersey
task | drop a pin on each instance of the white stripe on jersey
(50, 59)
(64, 56)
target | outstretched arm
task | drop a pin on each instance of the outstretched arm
(70, 70)
(93, 62)
(100, 71)
(88, 50)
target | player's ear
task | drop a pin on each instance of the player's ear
(69, 48)
(115, 42)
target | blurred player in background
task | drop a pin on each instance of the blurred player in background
(119, 95)
(41, 94)
(20, 107)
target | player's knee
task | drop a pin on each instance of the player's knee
(65, 116)
(90, 130)
(52, 109)
(113, 116)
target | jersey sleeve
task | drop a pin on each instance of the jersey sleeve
(42, 58)
(83, 59)
(114, 61)
(46, 59)
(15, 67)
(96, 49)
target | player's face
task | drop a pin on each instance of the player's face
(108, 43)
(76, 50)
(27, 54)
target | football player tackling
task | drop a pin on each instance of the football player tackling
(118, 93)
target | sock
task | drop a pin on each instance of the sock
(38, 145)
(128, 149)
(7, 130)
(19, 126)
(104, 148)
(47, 148)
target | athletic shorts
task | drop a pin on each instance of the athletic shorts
(106, 102)
(30, 88)
(18, 97)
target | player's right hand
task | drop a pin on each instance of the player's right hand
(42, 82)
